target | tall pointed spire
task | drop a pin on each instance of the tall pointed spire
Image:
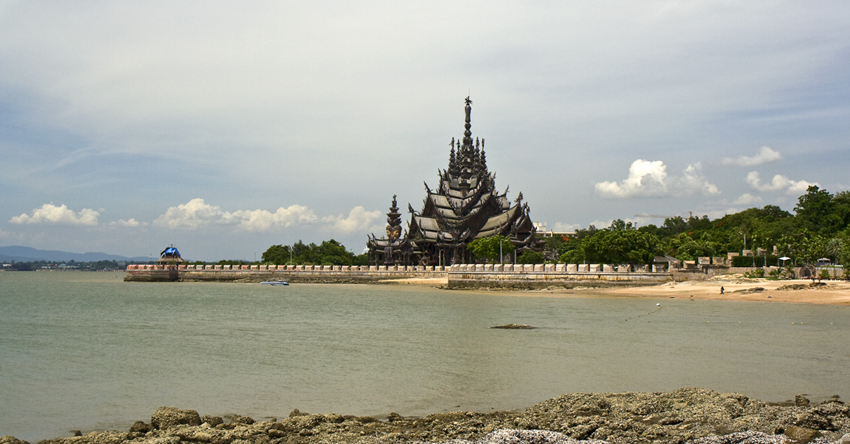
(467, 134)
(483, 158)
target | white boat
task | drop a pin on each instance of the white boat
(275, 283)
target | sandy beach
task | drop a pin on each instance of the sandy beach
(738, 288)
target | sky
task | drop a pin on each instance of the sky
(226, 127)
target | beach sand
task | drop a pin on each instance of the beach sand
(738, 288)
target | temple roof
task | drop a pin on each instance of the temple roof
(465, 206)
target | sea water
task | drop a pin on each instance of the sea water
(81, 350)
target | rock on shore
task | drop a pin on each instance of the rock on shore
(689, 415)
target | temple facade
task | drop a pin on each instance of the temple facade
(464, 207)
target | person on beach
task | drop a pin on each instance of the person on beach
(722, 290)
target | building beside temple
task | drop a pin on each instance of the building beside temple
(170, 256)
(464, 207)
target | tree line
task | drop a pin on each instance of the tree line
(818, 229)
(329, 252)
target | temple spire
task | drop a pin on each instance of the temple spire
(467, 134)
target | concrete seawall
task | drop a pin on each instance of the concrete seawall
(458, 276)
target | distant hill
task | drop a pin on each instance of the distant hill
(27, 254)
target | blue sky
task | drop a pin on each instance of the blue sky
(227, 127)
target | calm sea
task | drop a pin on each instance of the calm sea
(88, 351)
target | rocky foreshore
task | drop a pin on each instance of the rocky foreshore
(690, 415)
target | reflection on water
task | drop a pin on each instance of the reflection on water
(85, 350)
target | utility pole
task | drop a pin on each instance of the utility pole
(500, 252)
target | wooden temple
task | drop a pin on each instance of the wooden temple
(465, 207)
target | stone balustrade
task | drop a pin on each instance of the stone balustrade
(470, 274)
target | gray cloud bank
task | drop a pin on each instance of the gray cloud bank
(324, 111)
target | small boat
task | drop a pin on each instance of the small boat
(275, 283)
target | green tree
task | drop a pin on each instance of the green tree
(620, 246)
(276, 255)
(817, 211)
(332, 252)
(530, 257)
(488, 247)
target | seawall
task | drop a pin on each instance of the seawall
(508, 276)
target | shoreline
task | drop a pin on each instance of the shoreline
(683, 415)
(736, 288)
(799, 291)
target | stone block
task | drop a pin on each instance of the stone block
(641, 268)
(539, 267)
(583, 268)
(729, 256)
(718, 261)
(549, 268)
(488, 267)
(572, 268)
(624, 268)
(690, 264)
(607, 268)
(704, 260)
(594, 268)
(560, 268)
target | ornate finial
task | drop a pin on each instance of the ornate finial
(468, 125)
(410, 209)
(519, 197)
(393, 221)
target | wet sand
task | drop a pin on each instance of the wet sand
(742, 289)
(736, 288)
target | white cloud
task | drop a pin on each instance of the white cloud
(747, 199)
(263, 220)
(358, 220)
(765, 155)
(132, 222)
(650, 179)
(61, 215)
(196, 214)
(191, 215)
(779, 183)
